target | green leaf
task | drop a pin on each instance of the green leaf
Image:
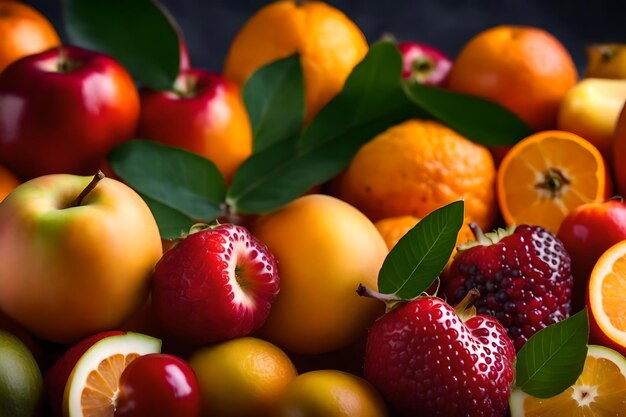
(421, 254)
(138, 33)
(371, 101)
(554, 357)
(479, 120)
(172, 223)
(179, 186)
(274, 98)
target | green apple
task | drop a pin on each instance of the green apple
(77, 255)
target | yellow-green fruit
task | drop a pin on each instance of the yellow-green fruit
(325, 248)
(20, 378)
(242, 377)
(330, 393)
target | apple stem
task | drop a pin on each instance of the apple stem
(617, 198)
(92, 184)
(300, 3)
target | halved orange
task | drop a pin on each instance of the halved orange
(600, 391)
(605, 298)
(546, 175)
(94, 382)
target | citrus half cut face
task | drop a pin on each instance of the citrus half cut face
(600, 391)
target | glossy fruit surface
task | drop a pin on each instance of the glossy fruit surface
(93, 385)
(20, 378)
(524, 278)
(216, 284)
(158, 385)
(416, 167)
(324, 248)
(90, 267)
(23, 31)
(427, 359)
(242, 377)
(548, 174)
(328, 42)
(600, 391)
(605, 295)
(330, 393)
(424, 64)
(591, 109)
(523, 68)
(63, 110)
(204, 114)
(587, 232)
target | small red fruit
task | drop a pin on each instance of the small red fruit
(587, 232)
(63, 110)
(158, 385)
(204, 114)
(216, 284)
(523, 275)
(429, 359)
(424, 63)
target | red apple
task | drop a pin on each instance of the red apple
(204, 114)
(424, 63)
(63, 110)
(587, 232)
(216, 284)
(158, 385)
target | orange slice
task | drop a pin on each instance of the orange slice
(93, 385)
(546, 175)
(606, 295)
(600, 391)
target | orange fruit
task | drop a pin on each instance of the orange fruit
(93, 385)
(523, 68)
(330, 393)
(599, 391)
(548, 174)
(328, 42)
(605, 299)
(392, 229)
(7, 182)
(619, 152)
(241, 377)
(23, 31)
(416, 167)
(324, 248)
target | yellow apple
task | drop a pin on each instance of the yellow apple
(591, 108)
(77, 255)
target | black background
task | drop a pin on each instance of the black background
(209, 26)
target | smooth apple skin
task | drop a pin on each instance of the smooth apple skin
(64, 122)
(587, 232)
(206, 115)
(67, 273)
(158, 385)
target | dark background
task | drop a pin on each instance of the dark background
(210, 25)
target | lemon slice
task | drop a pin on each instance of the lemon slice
(600, 391)
(93, 385)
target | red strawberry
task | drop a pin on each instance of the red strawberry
(523, 275)
(429, 359)
(216, 284)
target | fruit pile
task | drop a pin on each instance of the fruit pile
(327, 229)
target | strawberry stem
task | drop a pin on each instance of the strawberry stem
(463, 308)
(478, 234)
(92, 184)
(391, 300)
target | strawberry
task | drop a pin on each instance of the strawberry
(429, 359)
(523, 275)
(216, 284)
